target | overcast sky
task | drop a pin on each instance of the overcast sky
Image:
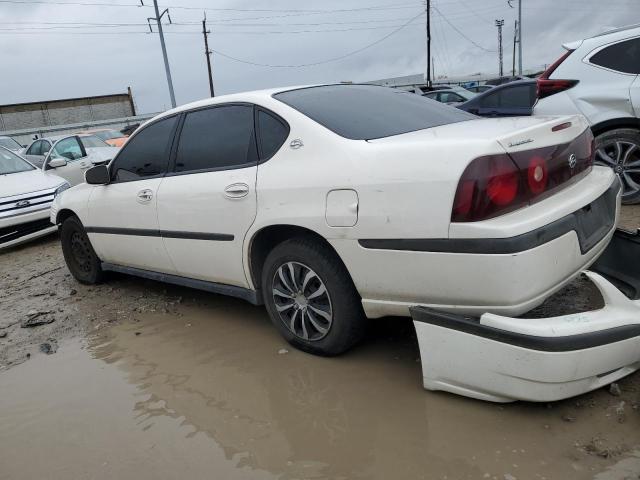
(62, 48)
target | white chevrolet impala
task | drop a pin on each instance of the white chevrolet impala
(331, 204)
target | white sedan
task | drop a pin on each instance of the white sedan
(26, 194)
(331, 204)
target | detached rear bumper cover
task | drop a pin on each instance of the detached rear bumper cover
(504, 359)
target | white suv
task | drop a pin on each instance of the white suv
(599, 78)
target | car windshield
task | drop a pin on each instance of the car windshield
(9, 143)
(12, 163)
(108, 134)
(91, 141)
(366, 112)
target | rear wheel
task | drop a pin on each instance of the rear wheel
(311, 299)
(620, 150)
(81, 259)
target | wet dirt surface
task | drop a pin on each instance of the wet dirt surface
(145, 380)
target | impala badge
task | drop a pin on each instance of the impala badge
(573, 160)
(23, 203)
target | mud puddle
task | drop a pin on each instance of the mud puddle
(215, 393)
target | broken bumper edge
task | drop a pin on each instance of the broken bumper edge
(503, 359)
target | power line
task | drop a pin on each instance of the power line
(461, 33)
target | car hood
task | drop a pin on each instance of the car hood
(101, 154)
(27, 182)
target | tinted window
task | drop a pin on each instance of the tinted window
(218, 137)
(36, 148)
(450, 97)
(146, 153)
(273, 133)
(362, 112)
(68, 148)
(521, 96)
(622, 57)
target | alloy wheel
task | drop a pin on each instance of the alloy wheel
(302, 301)
(624, 158)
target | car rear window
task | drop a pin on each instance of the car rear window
(366, 112)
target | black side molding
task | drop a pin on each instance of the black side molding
(472, 326)
(140, 232)
(591, 223)
(250, 296)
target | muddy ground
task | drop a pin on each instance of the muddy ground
(137, 379)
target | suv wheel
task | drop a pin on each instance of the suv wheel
(82, 261)
(311, 299)
(620, 150)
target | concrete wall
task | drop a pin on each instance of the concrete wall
(36, 115)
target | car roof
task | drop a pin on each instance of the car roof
(617, 30)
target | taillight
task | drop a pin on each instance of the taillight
(546, 87)
(497, 184)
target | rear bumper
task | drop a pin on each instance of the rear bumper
(504, 359)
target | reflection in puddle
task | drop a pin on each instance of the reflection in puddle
(207, 395)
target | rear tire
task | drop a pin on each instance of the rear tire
(81, 259)
(619, 149)
(311, 298)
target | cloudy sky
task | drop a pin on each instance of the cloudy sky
(71, 48)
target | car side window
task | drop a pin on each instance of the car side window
(146, 154)
(516, 97)
(219, 137)
(622, 57)
(45, 147)
(69, 149)
(450, 97)
(490, 101)
(272, 132)
(35, 148)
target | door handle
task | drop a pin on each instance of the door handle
(145, 196)
(236, 190)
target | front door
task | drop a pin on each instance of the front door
(635, 96)
(72, 151)
(123, 222)
(207, 204)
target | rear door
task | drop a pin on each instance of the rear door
(207, 204)
(123, 222)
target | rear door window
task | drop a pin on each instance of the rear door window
(622, 57)
(272, 133)
(146, 154)
(36, 148)
(217, 138)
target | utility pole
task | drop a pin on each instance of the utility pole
(519, 37)
(499, 24)
(515, 40)
(207, 52)
(519, 34)
(158, 20)
(428, 43)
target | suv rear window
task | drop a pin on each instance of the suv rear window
(365, 112)
(622, 56)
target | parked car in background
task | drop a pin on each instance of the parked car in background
(599, 77)
(450, 96)
(70, 156)
(109, 136)
(11, 144)
(37, 150)
(507, 100)
(129, 129)
(479, 88)
(26, 194)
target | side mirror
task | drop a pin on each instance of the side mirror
(98, 175)
(57, 162)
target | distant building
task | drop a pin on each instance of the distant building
(51, 113)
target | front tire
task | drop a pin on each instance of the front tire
(311, 298)
(81, 259)
(619, 149)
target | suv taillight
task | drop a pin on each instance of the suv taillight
(547, 86)
(497, 184)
